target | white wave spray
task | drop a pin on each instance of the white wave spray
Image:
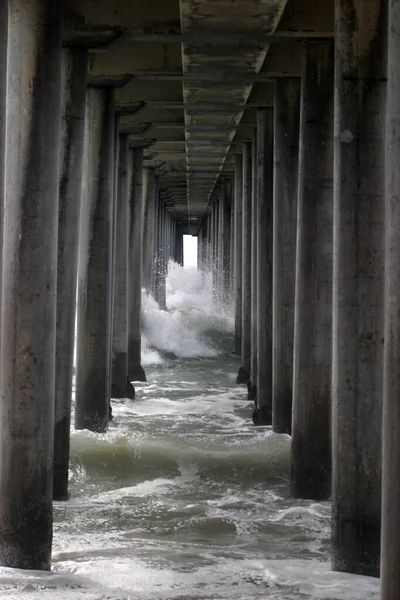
(190, 313)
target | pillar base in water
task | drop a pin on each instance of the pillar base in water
(61, 467)
(25, 543)
(128, 391)
(251, 391)
(314, 485)
(261, 416)
(243, 376)
(358, 547)
(137, 374)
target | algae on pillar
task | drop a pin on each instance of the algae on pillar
(310, 471)
(135, 369)
(29, 280)
(390, 555)
(359, 183)
(93, 364)
(75, 63)
(286, 158)
(265, 125)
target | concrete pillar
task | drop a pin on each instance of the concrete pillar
(232, 243)
(244, 371)
(135, 369)
(3, 103)
(93, 369)
(28, 335)
(360, 102)
(238, 252)
(390, 555)
(220, 248)
(209, 252)
(148, 230)
(252, 386)
(215, 279)
(286, 154)
(200, 249)
(223, 242)
(160, 258)
(226, 242)
(120, 387)
(155, 278)
(265, 126)
(75, 62)
(310, 473)
(179, 242)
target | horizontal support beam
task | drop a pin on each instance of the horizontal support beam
(219, 37)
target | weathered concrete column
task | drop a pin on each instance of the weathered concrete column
(120, 388)
(232, 243)
(160, 257)
(310, 472)
(252, 386)
(3, 103)
(360, 100)
(220, 248)
(75, 63)
(286, 155)
(265, 126)
(179, 246)
(148, 230)
(238, 252)
(215, 280)
(135, 369)
(209, 249)
(244, 371)
(390, 555)
(93, 368)
(200, 249)
(28, 335)
(226, 256)
(223, 242)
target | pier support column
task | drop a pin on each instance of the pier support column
(310, 472)
(148, 230)
(135, 369)
(226, 257)
(160, 256)
(360, 102)
(75, 64)
(120, 388)
(252, 386)
(93, 368)
(28, 336)
(179, 246)
(244, 371)
(238, 252)
(3, 104)
(286, 159)
(265, 126)
(215, 280)
(390, 556)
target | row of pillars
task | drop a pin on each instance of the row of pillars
(83, 226)
(317, 284)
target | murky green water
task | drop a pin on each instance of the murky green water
(184, 498)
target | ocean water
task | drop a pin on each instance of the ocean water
(184, 498)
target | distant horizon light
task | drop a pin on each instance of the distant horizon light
(190, 251)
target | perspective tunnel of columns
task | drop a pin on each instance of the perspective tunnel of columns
(269, 129)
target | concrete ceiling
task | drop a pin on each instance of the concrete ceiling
(189, 75)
